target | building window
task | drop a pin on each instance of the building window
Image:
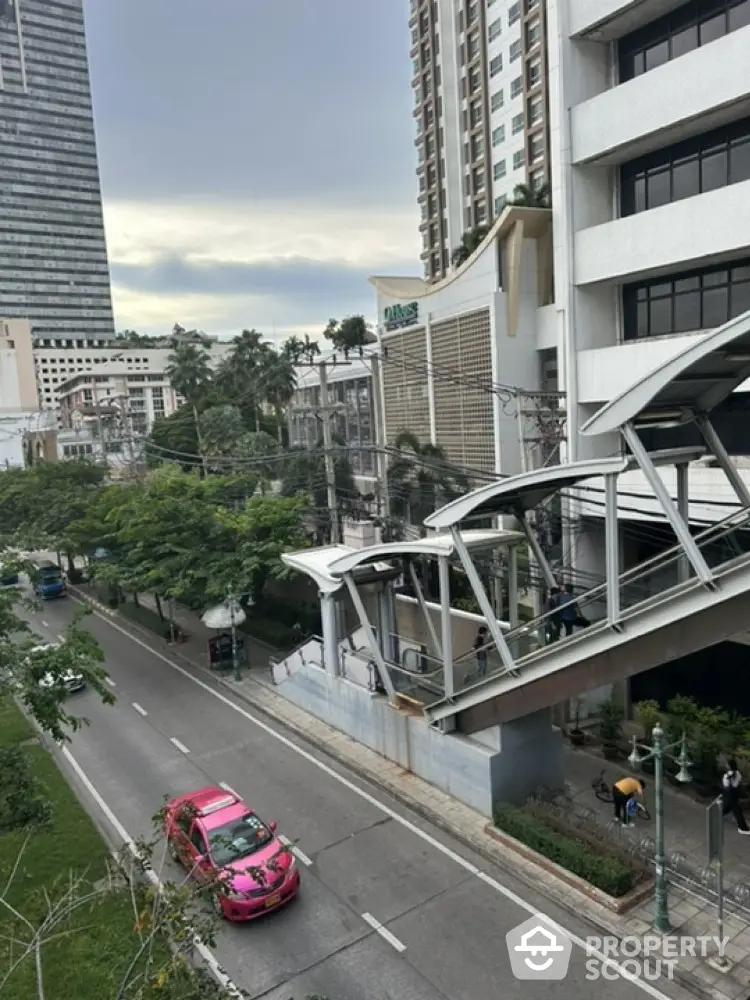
(704, 163)
(497, 100)
(498, 135)
(514, 13)
(536, 110)
(500, 204)
(478, 147)
(480, 213)
(476, 114)
(495, 29)
(519, 159)
(695, 300)
(533, 33)
(496, 65)
(516, 86)
(479, 180)
(538, 179)
(515, 50)
(536, 147)
(534, 74)
(517, 124)
(689, 27)
(499, 170)
(531, 5)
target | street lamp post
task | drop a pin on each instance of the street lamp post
(658, 752)
(237, 673)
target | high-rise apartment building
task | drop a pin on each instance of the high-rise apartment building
(480, 94)
(53, 255)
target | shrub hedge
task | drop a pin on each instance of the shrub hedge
(609, 874)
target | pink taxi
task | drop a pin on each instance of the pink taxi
(221, 840)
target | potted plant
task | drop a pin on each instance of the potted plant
(577, 735)
(611, 717)
(648, 714)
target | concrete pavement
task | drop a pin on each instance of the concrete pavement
(448, 909)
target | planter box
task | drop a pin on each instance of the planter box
(638, 895)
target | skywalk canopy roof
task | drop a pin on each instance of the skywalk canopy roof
(522, 492)
(696, 380)
(433, 545)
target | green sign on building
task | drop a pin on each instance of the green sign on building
(398, 316)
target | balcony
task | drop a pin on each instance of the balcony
(605, 20)
(685, 97)
(696, 231)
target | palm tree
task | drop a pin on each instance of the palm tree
(421, 479)
(526, 196)
(189, 373)
(297, 349)
(279, 383)
(240, 374)
(470, 240)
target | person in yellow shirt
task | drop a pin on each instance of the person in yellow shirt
(627, 790)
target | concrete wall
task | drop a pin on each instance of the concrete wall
(471, 769)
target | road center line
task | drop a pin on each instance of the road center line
(46, 624)
(508, 894)
(139, 709)
(108, 680)
(180, 746)
(228, 788)
(301, 856)
(206, 954)
(383, 932)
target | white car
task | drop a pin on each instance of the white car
(72, 680)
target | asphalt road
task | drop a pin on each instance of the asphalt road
(450, 923)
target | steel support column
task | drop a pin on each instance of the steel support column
(425, 610)
(513, 586)
(612, 549)
(661, 493)
(330, 626)
(537, 551)
(481, 595)
(717, 449)
(683, 508)
(446, 627)
(364, 621)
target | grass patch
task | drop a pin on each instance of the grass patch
(90, 960)
(144, 616)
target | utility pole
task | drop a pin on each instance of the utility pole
(381, 440)
(328, 455)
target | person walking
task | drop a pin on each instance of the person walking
(554, 622)
(731, 784)
(480, 648)
(570, 613)
(627, 795)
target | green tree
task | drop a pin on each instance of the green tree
(25, 660)
(304, 474)
(349, 334)
(527, 196)
(300, 349)
(279, 382)
(470, 241)
(421, 480)
(189, 372)
(221, 427)
(247, 551)
(174, 439)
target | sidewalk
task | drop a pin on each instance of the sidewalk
(691, 914)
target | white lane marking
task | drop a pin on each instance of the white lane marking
(383, 932)
(46, 624)
(228, 788)
(508, 894)
(180, 746)
(139, 709)
(108, 680)
(296, 851)
(206, 954)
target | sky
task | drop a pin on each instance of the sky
(256, 157)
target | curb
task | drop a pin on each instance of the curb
(524, 871)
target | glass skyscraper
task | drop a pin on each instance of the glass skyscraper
(53, 255)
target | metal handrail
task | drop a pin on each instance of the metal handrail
(296, 649)
(720, 530)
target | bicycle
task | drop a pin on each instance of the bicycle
(604, 793)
